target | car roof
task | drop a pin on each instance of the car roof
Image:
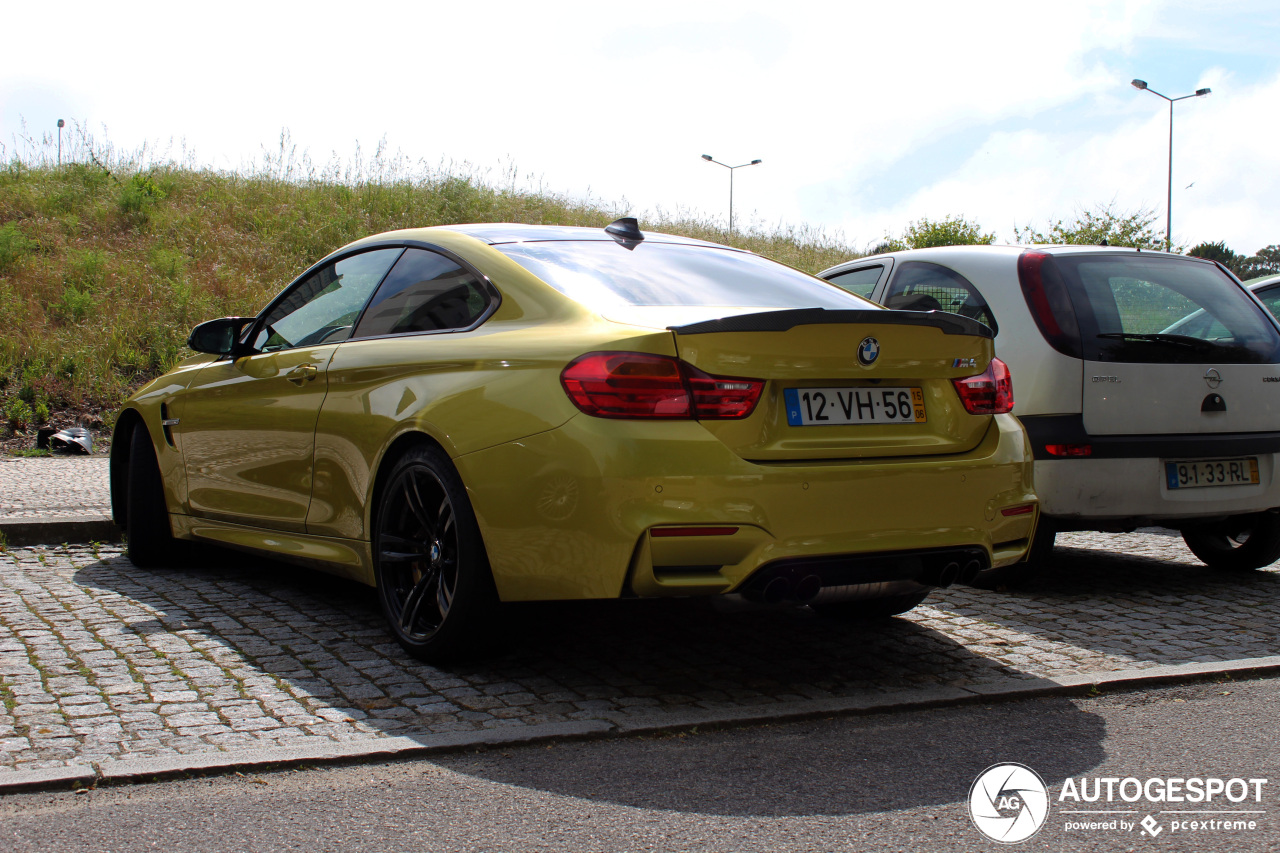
(1264, 282)
(494, 233)
(1005, 249)
(1051, 248)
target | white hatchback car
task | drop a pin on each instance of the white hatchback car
(1148, 383)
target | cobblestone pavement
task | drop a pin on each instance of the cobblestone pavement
(100, 660)
(53, 487)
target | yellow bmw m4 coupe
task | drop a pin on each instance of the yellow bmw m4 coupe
(474, 414)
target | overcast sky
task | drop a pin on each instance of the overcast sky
(866, 115)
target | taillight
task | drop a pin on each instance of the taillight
(721, 397)
(627, 385)
(988, 393)
(1050, 304)
(641, 385)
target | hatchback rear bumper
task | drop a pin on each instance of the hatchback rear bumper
(1122, 494)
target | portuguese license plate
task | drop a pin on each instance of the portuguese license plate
(1201, 473)
(835, 406)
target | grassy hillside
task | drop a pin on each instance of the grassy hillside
(104, 267)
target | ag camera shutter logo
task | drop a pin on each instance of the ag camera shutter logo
(1008, 803)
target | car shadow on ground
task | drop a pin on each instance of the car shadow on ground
(853, 765)
(1136, 606)
(321, 640)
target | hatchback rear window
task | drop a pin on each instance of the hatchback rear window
(1134, 308)
(605, 274)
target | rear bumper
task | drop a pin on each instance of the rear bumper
(1102, 494)
(569, 513)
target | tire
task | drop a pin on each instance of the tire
(433, 577)
(870, 608)
(151, 543)
(1238, 544)
(1026, 569)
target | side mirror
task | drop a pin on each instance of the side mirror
(218, 337)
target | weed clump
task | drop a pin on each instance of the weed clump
(13, 245)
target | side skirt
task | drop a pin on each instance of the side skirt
(348, 558)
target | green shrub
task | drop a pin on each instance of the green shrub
(75, 306)
(41, 413)
(18, 414)
(168, 264)
(1102, 226)
(86, 269)
(927, 233)
(13, 245)
(138, 196)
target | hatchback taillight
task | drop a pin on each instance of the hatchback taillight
(641, 385)
(988, 393)
(1049, 302)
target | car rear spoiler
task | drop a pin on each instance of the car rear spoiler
(781, 321)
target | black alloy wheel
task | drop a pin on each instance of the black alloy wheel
(1237, 544)
(433, 578)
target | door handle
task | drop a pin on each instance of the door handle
(302, 373)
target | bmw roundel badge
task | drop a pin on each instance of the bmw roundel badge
(868, 351)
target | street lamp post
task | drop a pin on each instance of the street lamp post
(709, 159)
(1168, 222)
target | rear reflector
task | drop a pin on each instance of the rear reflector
(693, 531)
(1025, 509)
(988, 393)
(631, 385)
(1069, 449)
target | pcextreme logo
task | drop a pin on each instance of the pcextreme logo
(1009, 803)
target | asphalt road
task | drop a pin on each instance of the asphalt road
(884, 782)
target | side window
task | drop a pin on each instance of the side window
(322, 307)
(1270, 298)
(921, 286)
(425, 292)
(859, 282)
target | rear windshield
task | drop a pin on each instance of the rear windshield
(605, 274)
(1152, 309)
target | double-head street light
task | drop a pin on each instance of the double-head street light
(1168, 222)
(709, 159)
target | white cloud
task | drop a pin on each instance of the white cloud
(867, 115)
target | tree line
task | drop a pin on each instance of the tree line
(1101, 226)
